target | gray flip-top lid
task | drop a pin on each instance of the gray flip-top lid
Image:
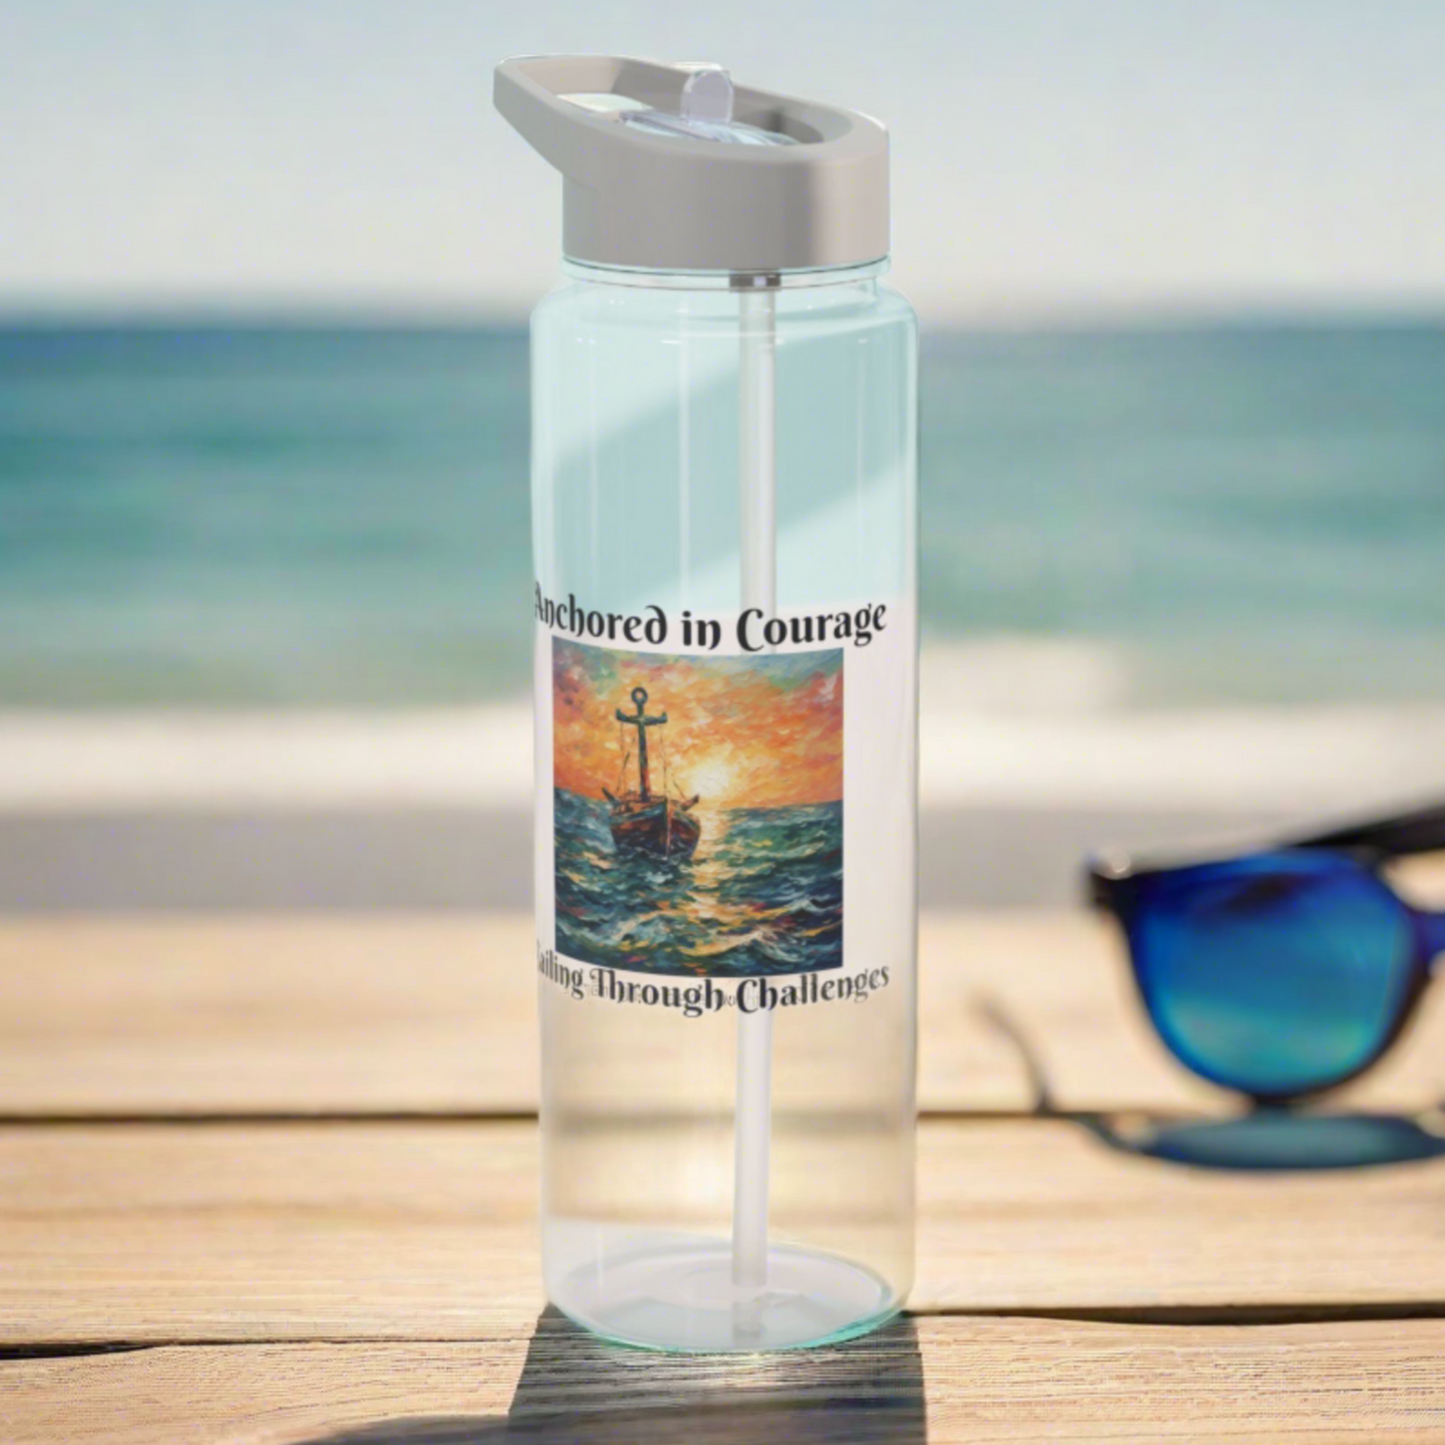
(668, 167)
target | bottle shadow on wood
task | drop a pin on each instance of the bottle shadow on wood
(575, 1388)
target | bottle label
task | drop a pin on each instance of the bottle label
(724, 799)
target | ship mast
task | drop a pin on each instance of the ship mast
(641, 722)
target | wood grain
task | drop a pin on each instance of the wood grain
(266, 1014)
(436, 1014)
(355, 1282)
(420, 1231)
(946, 1380)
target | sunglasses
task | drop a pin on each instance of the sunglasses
(1285, 972)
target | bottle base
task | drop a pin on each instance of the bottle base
(676, 1292)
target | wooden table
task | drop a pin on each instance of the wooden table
(273, 1180)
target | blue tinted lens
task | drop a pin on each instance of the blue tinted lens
(1275, 974)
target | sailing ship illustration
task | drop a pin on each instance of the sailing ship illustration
(643, 821)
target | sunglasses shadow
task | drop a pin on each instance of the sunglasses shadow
(1265, 1139)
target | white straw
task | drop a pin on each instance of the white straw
(757, 446)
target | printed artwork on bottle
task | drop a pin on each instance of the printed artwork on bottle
(723, 816)
(698, 824)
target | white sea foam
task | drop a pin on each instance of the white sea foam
(1030, 725)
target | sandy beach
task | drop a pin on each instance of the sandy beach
(1026, 765)
(1285, 759)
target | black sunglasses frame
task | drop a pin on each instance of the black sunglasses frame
(1112, 886)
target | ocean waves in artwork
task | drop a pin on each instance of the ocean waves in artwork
(763, 894)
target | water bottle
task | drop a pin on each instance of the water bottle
(724, 468)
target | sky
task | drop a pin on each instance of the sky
(758, 732)
(1051, 157)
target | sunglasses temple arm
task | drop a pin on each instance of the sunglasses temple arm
(1422, 831)
(1432, 927)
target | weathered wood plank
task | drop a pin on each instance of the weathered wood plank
(424, 1013)
(167, 1233)
(947, 1380)
(266, 1014)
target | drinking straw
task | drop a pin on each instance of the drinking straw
(757, 476)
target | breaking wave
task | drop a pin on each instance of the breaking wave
(763, 893)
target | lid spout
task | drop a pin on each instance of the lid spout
(707, 94)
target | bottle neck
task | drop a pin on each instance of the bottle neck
(736, 281)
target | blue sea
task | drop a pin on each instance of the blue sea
(763, 893)
(256, 516)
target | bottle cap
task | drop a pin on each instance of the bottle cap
(672, 168)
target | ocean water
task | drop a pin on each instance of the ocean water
(762, 894)
(264, 516)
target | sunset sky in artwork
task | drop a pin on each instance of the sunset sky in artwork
(742, 732)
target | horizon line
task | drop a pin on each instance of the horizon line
(360, 316)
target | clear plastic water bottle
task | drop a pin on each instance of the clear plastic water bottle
(725, 536)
